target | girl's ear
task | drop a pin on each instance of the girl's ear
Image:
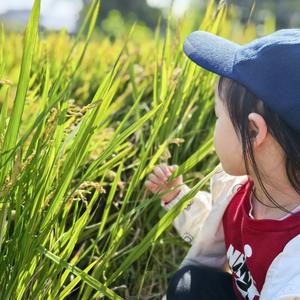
(252, 134)
(257, 128)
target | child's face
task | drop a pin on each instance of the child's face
(227, 145)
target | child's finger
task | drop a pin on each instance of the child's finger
(155, 179)
(172, 168)
(151, 186)
(165, 169)
(159, 172)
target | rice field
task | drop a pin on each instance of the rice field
(83, 122)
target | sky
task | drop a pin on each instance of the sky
(179, 7)
(55, 13)
(64, 13)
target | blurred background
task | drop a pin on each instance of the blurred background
(57, 14)
(156, 107)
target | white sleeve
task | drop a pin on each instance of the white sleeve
(187, 223)
(283, 276)
(208, 244)
(201, 224)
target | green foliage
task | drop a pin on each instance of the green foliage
(83, 121)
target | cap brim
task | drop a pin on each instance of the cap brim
(211, 52)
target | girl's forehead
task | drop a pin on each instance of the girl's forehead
(216, 98)
(216, 86)
(216, 92)
(216, 89)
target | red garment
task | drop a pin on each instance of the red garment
(251, 244)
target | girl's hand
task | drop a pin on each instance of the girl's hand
(157, 182)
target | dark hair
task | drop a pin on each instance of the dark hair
(240, 102)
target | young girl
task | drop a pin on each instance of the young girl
(245, 232)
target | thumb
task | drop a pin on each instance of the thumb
(180, 178)
(173, 168)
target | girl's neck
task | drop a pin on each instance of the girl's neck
(263, 208)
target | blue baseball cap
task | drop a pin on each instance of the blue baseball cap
(268, 66)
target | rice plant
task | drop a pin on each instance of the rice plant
(83, 121)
